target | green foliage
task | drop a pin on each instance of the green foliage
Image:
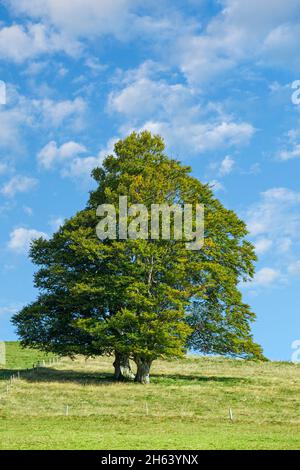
(218, 329)
(135, 296)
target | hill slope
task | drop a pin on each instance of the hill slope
(185, 407)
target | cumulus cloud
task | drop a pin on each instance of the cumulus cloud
(266, 277)
(275, 219)
(144, 96)
(170, 110)
(65, 25)
(292, 149)
(263, 245)
(3, 168)
(241, 30)
(81, 167)
(266, 32)
(294, 268)
(28, 210)
(277, 213)
(19, 43)
(55, 113)
(281, 46)
(52, 153)
(216, 185)
(78, 18)
(59, 26)
(55, 25)
(226, 166)
(274, 225)
(14, 116)
(18, 184)
(8, 310)
(20, 239)
(56, 222)
(200, 137)
(22, 113)
(69, 158)
(290, 154)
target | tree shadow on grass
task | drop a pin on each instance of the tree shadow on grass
(48, 374)
(6, 374)
(182, 379)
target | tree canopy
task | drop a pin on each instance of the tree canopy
(142, 298)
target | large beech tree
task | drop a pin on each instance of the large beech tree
(142, 299)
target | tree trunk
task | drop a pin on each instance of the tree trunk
(143, 370)
(122, 367)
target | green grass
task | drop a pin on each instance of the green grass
(19, 358)
(185, 407)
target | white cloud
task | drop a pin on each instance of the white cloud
(56, 112)
(277, 214)
(226, 166)
(18, 184)
(69, 160)
(284, 245)
(20, 239)
(56, 223)
(294, 268)
(256, 14)
(282, 195)
(142, 93)
(3, 168)
(67, 25)
(22, 114)
(14, 116)
(265, 32)
(170, 110)
(19, 43)
(262, 31)
(52, 154)
(292, 149)
(281, 46)
(202, 58)
(28, 210)
(10, 309)
(290, 154)
(95, 65)
(80, 19)
(82, 167)
(36, 67)
(144, 96)
(266, 277)
(274, 224)
(200, 137)
(216, 185)
(263, 245)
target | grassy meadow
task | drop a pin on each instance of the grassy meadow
(76, 405)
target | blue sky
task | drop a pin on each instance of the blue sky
(214, 78)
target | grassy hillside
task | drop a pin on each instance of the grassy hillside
(185, 407)
(19, 358)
